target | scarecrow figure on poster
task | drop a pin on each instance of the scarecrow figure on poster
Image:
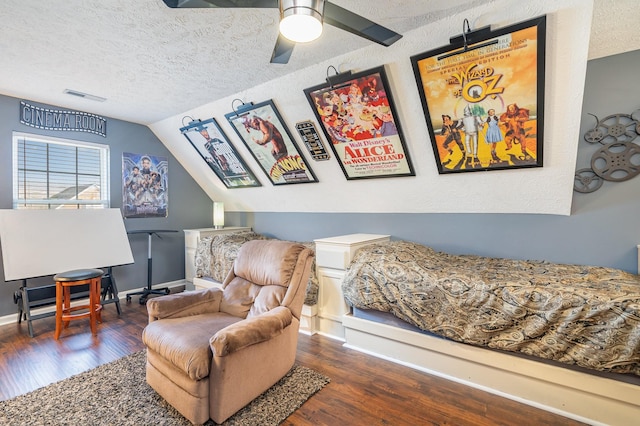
(145, 181)
(452, 133)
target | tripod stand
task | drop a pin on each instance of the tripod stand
(144, 294)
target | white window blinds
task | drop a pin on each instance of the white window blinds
(53, 173)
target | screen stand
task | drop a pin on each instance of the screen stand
(144, 294)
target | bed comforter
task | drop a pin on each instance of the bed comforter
(579, 315)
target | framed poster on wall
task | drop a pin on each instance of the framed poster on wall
(358, 118)
(263, 131)
(145, 185)
(483, 98)
(215, 149)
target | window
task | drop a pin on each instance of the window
(53, 173)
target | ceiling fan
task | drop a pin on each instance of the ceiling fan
(312, 13)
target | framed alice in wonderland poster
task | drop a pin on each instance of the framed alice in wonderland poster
(483, 98)
(262, 130)
(358, 117)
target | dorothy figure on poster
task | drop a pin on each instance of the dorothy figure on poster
(494, 135)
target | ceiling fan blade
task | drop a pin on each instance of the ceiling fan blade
(282, 50)
(221, 3)
(358, 25)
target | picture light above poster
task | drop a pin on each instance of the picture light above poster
(358, 117)
(483, 97)
(215, 149)
(265, 135)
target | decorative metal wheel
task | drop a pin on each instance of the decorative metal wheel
(636, 116)
(587, 181)
(613, 128)
(617, 162)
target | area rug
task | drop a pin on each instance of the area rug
(117, 394)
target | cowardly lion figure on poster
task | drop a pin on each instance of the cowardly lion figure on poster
(482, 139)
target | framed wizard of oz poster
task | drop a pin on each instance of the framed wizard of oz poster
(483, 98)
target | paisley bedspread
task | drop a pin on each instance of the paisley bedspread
(580, 315)
(215, 256)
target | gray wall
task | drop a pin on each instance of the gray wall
(603, 228)
(189, 206)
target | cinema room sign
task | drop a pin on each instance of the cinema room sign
(65, 120)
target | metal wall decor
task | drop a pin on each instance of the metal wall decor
(63, 120)
(618, 159)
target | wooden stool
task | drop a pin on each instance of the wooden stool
(64, 311)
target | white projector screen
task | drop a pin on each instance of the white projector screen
(37, 243)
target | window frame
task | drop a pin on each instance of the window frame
(23, 203)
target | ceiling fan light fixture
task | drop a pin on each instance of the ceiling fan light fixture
(301, 21)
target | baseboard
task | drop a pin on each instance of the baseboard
(584, 397)
(174, 287)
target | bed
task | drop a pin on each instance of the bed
(575, 315)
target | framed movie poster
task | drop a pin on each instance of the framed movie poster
(484, 100)
(358, 117)
(264, 133)
(145, 181)
(215, 149)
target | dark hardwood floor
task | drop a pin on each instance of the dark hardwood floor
(364, 390)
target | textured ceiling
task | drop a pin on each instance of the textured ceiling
(153, 62)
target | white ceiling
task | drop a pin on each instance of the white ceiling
(152, 62)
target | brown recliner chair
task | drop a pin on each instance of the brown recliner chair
(211, 352)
